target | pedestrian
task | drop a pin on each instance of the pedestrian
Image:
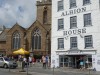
(44, 61)
(47, 60)
(30, 61)
(25, 61)
(33, 60)
(81, 64)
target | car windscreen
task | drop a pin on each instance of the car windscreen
(7, 59)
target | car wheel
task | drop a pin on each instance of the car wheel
(5, 66)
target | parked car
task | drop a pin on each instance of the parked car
(7, 63)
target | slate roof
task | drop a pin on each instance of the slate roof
(2, 27)
(3, 35)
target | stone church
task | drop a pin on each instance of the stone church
(36, 38)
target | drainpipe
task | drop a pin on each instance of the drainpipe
(46, 49)
(99, 4)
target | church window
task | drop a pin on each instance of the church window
(45, 16)
(36, 39)
(16, 40)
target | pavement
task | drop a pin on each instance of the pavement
(37, 69)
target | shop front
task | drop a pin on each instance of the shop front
(73, 60)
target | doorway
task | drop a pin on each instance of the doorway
(63, 61)
(71, 60)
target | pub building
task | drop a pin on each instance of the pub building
(75, 34)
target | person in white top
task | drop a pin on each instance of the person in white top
(30, 61)
(24, 59)
(44, 61)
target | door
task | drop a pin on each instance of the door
(63, 61)
(70, 61)
(77, 62)
(1, 62)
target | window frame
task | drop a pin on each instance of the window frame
(45, 19)
(72, 3)
(60, 43)
(87, 20)
(36, 39)
(88, 37)
(60, 5)
(74, 43)
(73, 22)
(16, 40)
(61, 25)
(85, 2)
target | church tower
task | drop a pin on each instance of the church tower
(44, 11)
(39, 34)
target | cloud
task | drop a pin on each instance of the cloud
(20, 11)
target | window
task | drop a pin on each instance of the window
(60, 43)
(1, 59)
(45, 16)
(60, 24)
(87, 19)
(73, 42)
(16, 40)
(88, 41)
(72, 3)
(36, 39)
(60, 5)
(86, 2)
(63, 61)
(73, 22)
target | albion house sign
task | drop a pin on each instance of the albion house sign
(74, 11)
(74, 31)
(71, 12)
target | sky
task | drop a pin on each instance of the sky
(22, 12)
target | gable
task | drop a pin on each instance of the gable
(18, 28)
(36, 24)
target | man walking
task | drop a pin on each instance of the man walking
(44, 61)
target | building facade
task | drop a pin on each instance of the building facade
(36, 38)
(75, 33)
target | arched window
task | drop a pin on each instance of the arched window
(45, 16)
(36, 39)
(16, 40)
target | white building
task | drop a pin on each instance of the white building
(75, 33)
